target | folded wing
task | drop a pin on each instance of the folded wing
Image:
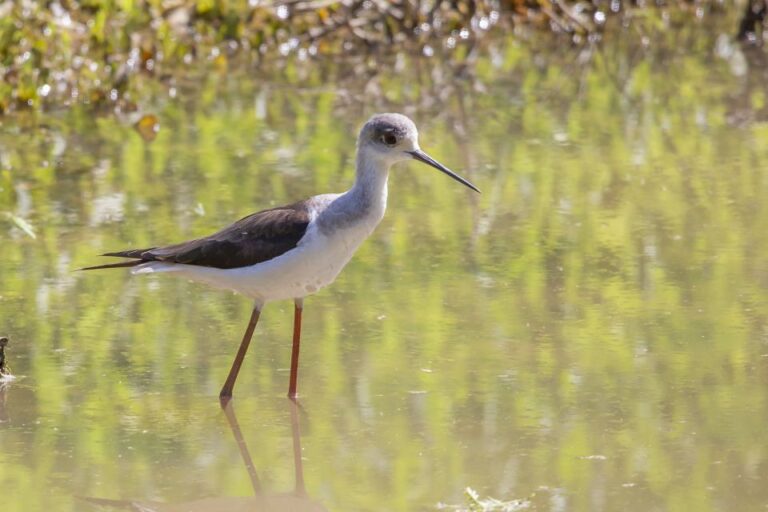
(253, 239)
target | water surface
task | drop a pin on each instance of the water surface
(590, 333)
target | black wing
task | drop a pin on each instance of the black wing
(253, 239)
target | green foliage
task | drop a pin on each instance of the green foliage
(588, 334)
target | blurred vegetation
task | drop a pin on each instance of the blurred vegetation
(589, 334)
(102, 53)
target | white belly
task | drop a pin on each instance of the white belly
(302, 271)
(312, 265)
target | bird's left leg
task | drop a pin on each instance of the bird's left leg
(298, 307)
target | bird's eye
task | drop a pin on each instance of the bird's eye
(389, 139)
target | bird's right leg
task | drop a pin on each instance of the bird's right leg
(226, 391)
(298, 308)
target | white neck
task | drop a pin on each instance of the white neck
(363, 204)
(370, 189)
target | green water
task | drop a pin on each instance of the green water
(589, 334)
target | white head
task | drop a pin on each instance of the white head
(393, 138)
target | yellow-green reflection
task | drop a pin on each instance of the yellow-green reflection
(589, 333)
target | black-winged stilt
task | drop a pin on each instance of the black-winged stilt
(292, 251)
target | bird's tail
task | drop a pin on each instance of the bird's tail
(122, 264)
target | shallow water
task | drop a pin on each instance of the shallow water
(590, 333)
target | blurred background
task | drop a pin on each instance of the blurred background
(590, 333)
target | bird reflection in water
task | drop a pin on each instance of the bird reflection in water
(295, 501)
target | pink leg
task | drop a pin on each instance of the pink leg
(298, 307)
(226, 391)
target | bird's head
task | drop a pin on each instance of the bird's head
(393, 138)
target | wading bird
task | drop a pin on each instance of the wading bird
(292, 251)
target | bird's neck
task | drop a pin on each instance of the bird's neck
(369, 192)
(364, 204)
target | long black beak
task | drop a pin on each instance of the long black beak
(423, 157)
